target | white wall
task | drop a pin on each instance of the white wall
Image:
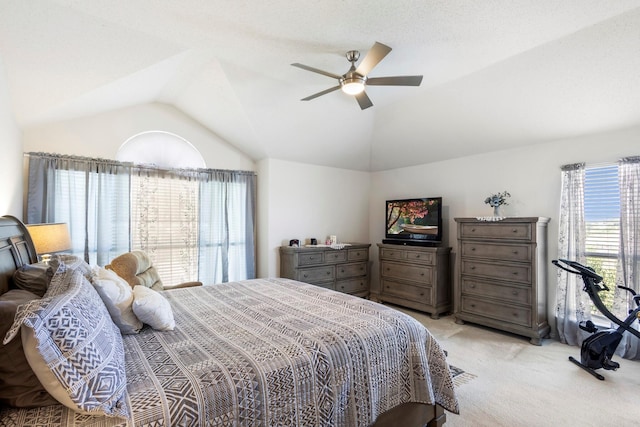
(11, 170)
(301, 201)
(530, 174)
(101, 135)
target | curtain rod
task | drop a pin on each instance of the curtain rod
(150, 167)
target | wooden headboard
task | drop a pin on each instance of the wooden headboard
(16, 249)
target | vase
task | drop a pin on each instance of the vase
(496, 211)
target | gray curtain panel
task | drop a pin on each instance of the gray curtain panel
(628, 271)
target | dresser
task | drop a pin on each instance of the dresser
(502, 275)
(344, 270)
(416, 277)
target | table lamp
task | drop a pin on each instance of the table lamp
(49, 238)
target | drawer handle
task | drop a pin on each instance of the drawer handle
(515, 292)
(515, 273)
(473, 229)
(361, 268)
(388, 269)
(473, 249)
(304, 275)
(515, 230)
(328, 273)
(472, 286)
(342, 270)
(357, 253)
(422, 274)
(473, 267)
(421, 294)
(515, 314)
(515, 252)
(473, 306)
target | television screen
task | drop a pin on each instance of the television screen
(417, 221)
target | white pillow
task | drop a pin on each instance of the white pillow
(117, 295)
(152, 308)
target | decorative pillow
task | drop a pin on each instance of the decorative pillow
(33, 278)
(118, 297)
(72, 262)
(19, 385)
(73, 346)
(153, 309)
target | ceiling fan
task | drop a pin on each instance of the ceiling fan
(354, 81)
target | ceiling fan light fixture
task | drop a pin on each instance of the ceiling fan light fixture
(352, 85)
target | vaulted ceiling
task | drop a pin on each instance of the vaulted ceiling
(497, 74)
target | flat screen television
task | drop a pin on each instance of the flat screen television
(414, 221)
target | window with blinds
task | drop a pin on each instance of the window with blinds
(602, 222)
(164, 224)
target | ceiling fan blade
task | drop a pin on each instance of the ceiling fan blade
(324, 92)
(363, 100)
(373, 57)
(395, 81)
(316, 70)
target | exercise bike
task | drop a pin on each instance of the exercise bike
(598, 349)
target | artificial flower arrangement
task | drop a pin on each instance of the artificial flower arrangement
(496, 200)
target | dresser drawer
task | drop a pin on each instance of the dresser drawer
(517, 231)
(310, 258)
(409, 292)
(316, 274)
(421, 257)
(335, 256)
(393, 254)
(357, 254)
(351, 270)
(352, 286)
(506, 293)
(423, 274)
(496, 251)
(512, 272)
(512, 314)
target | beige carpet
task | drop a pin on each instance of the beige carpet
(515, 383)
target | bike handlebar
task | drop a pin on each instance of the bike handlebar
(577, 268)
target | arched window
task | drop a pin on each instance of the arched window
(162, 149)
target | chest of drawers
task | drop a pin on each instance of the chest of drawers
(344, 270)
(415, 277)
(502, 275)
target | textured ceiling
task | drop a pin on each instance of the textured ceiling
(497, 74)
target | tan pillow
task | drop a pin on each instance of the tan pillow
(136, 268)
(19, 385)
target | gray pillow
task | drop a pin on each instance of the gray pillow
(19, 385)
(73, 346)
(34, 278)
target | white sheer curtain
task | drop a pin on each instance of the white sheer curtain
(165, 221)
(572, 303)
(90, 195)
(628, 271)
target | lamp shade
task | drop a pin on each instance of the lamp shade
(50, 238)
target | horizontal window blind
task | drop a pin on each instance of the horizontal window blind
(602, 211)
(602, 223)
(165, 225)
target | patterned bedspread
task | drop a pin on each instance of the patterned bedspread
(271, 352)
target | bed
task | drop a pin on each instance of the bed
(262, 352)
